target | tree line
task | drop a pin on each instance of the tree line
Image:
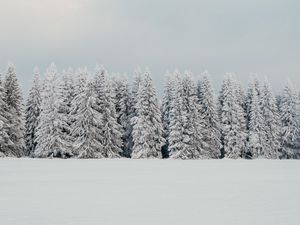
(76, 114)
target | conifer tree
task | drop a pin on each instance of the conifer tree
(189, 121)
(50, 142)
(193, 123)
(166, 111)
(289, 115)
(176, 144)
(87, 128)
(233, 134)
(209, 115)
(147, 128)
(122, 103)
(137, 78)
(13, 99)
(241, 97)
(253, 90)
(111, 130)
(80, 83)
(66, 95)
(271, 123)
(5, 142)
(33, 109)
(256, 134)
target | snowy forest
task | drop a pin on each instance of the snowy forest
(78, 114)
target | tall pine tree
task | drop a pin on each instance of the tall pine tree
(188, 123)
(177, 148)
(233, 127)
(147, 128)
(271, 123)
(86, 129)
(13, 99)
(209, 115)
(256, 134)
(122, 103)
(5, 142)
(66, 94)
(33, 109)
(50, 141)
(166, 111)
(289, 115)
(111, 130)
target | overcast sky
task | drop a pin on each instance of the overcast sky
(249, 36)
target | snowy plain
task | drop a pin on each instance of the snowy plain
(137, 192)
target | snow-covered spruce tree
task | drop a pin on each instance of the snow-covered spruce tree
(147, 128)
(253, 89)
(32, 113)
(241, 97)
(87, 128)
(191, 123)
(137, 77)
(13, 99)
(271, 123)
(111, 131)
(166, 110)
(66, 94)
(233, 126)
(242, 101)
(122, 103)
(5, 142)
(289, 115)
(49, 133)
(176, 116)
(256, 134)
(80, 81)
(209, 115)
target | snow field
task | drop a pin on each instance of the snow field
(136, 192)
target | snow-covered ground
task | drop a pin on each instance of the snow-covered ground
(137, 192)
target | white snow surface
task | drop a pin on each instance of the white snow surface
(137, 192)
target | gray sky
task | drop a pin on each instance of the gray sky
(250, 36)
